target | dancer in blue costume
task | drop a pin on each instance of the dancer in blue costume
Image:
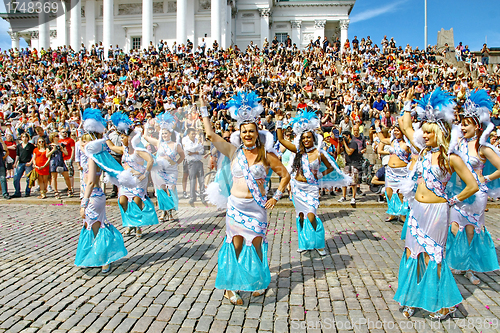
(470, 248)
(136, 207)
(168, 156)
(100, 243)
(243, 259)
(425, 280)
(308, 177)
(395, 172)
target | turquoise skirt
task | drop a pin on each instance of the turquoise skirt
(100, 250)
(309, 238)
(245, 272)
(167, 201)
(419, 285)
(395, 206)
(135, 217)
(479, 256)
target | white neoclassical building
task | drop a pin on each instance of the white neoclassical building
(134, 23)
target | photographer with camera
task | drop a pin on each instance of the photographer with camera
(353, 163)
(56, 152)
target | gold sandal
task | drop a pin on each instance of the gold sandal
(235, 299)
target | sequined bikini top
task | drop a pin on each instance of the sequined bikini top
(258, 171)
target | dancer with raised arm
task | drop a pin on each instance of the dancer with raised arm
(136, 207)
(395, 172)
(243, 258)
(310, 167)
(168, 156)
(470, 248)
(100, 243)
(425, 280)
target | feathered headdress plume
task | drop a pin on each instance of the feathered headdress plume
(245, 108)
(436, 107)
(93, 122)
(166, 121)
(122, 122)
(304, 121)
(478, 105)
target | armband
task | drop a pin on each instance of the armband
(277, 195)
(279, 124)
(407, 106)
(320, 175)
(85, 203)
(378, 130)
(487, 179)
(204, 111)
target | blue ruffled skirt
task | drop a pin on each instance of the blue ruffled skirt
(479, 256)
(247, 272)
(420, 286)
(135, 217)
(100, 250)
(310, 239)
(395, 206)
(167, 201)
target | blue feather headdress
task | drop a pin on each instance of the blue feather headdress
(93, 122)
(166, 121)
(245, 108)
(437, 107)
(304, 121)
(477, 106)
(122, 122)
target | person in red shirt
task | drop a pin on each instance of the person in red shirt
(41, 163)
(11, 150)
(302, 104)
(69, 143)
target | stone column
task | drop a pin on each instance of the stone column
(264, 25)
(319, 29)
(181, 35)
(108, 24)
(43, 29)
(62, 31)
(215, 21)
(90, 23)
(76, 20)
(14, 36)
(147, 23)
(296, 33)
(344, 25)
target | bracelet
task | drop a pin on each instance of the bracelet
(453, 201)
(320, 175)
(407, 106)
(378, 130)
(279, 124)
(277, 195)
(204, 111)
(85, 202)
(487, 179)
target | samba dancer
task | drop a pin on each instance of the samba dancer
(425, 280)
(243, 262)
(168, 156)
(308, 178)
(470, 248)
(136, 207)
(100, 243)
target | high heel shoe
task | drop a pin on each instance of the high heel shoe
(106, 268)
(408, 312)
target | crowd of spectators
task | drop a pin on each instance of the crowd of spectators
(44, 92)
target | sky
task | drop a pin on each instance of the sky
(473, 22)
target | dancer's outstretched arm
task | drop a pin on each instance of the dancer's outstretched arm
(222, 145)
(287, 144)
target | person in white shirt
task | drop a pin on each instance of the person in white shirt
(194, 149)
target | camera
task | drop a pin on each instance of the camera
(58, 147)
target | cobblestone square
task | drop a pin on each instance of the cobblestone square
(166, 283)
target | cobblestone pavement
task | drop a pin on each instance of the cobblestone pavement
(166, 283)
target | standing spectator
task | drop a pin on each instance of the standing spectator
(40, 162)
(57, 165)
(69, 143)
(11, 156)
(194, 153)
(485, 55)
(3, 180)
(353, 162)
(23, 164)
